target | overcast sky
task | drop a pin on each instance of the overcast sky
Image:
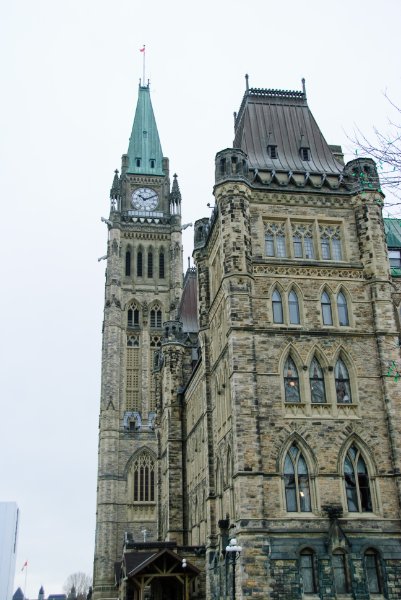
(69, 78)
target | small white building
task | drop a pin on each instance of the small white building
(9, 517)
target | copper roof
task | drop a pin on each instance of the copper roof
(282, 119)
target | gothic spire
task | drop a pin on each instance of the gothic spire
(145, 154)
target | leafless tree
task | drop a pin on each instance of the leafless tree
(77, 585)
(385, 148)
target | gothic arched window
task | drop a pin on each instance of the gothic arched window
(342, 310)
(161, 264)
(144, 478)
(326, 309)
(291, 381)
(133, 316)
(150, 264)
(128, 263)
(139, 264)
(156, 317)
(316, 380)
(308, 571)
(343, 387)
(296, 481)
(293, 308)
(356, 479)
(373, 572)
(277, 304)
(340, 572)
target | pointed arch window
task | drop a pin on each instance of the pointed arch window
(156, 317)
(308, 571)
(356, 479)
(340, 572)
(139, 264)
(133, 316)
(316, 380)
(291, 381)
(144, 478)
(293, 308)
(343, 387)
(373, 572)
(275, 240)
(277, 304)
(326, 309)
(296, 481)
(161, 264)
(342, 310)
(150, 264)
(128, 263)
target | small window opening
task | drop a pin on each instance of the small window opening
(272, 151)
(138, 162)
(139, 269)
(305, 153)
(222, 166)
(152, 163)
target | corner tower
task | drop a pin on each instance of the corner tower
(143, 288)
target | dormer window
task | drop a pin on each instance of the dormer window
(272, 151)
(152, 163)
(138, 162)
(305, 153)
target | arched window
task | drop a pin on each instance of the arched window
(343, 387)
(308, 571)
(128, 263)
(277, 307)
(139, 264)
(316, 380)
(356, 479)
(150, 264)
(291, 381)
(144, 478)
(293, 308)
(133, 316)
(326, 309)
(373, 572)
(340, 572)
(156, 317)
(296, 481)
(342, 310)
(161, 264)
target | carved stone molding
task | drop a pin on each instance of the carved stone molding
(294, 271)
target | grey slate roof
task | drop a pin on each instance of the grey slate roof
(282, 119)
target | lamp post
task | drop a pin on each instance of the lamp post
(233, 552)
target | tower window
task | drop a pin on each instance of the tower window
(161, 265)
(277, 307)
(373, 573)
(133, 317)
(152, 163)
(139, 265)
(305, 153)
(326, 309)
(144, 479)
(291, 381)
(138, 162)
(308, 571)
(156, 318)
(356, 478)
(272, 151)
(316, 380)
(128, 263)
(150, 264)
(296, 481)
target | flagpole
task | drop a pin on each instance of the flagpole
(143, 64)
(26, 575)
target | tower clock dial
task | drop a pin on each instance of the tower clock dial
(145, 199)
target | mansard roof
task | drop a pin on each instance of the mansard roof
(282, 120)
(144, 144)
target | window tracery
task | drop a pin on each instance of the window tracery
(275, 240)
(291, 381)
(296, 481)
(144, 478)
(302, 239)
(330, 242)
(357, 485)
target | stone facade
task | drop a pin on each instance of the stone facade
(284, 432)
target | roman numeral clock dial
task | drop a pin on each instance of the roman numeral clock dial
(145, 199)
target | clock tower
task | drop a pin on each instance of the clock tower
(143, 289)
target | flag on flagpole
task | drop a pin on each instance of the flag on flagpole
(142, 49)
(24, 565)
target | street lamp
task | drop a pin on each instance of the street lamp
(233, 552)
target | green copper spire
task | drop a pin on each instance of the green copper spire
(145, 154)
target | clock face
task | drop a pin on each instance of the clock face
(145, 199)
